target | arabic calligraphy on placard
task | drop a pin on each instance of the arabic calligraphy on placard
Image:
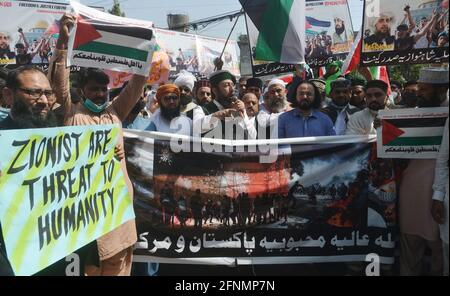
(417, 56)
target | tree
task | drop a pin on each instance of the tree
(116, 9)
(405, 73)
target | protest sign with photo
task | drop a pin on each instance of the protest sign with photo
(323, 202)
(329, 36)
(29, 31)
(65, 189)
(106, 41)
(411, 133)
(196, 53)
(405, 32)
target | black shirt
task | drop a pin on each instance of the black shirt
(406, 43)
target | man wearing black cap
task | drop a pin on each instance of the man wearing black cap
(254, 85)
(358, 96)
(357, 103)
(224, 108)
(361, 123)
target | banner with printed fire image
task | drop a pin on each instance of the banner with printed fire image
(323, 202)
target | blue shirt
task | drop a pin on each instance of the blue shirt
(293, 124)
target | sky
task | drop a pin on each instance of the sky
(157, 10)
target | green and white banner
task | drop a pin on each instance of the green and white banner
(61, 189)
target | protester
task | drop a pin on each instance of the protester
(358, 95)
(357, 103)
(321, 84)
(418, 230)
(169, 119)
(203, 93)
(439, 209)
(33, 99)
(186, 82)
(115, 249)
(242, 86)
(409, 95)
(225, 111)
(362, 123)
(255, 86)
(340, 97)
(32, 96)
(305, 120)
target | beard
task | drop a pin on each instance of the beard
(170, 114)
(435, 101)
(278, 106)
(185, 100)
(375, 106)
(340, 30)
(25, 119)
(305, 105)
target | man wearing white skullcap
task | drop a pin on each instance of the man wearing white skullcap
(185, 82)
(418, 229)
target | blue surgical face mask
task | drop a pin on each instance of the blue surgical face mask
(91, 106)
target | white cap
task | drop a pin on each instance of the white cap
(276, 81)
(433, 76)
(185, 78)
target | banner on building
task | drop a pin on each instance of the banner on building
(65, 189)
(329, 37)
(411, 133)
(323, 202)
(405, 32)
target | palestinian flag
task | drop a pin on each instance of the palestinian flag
(411, 133)
(315, 26)
(281, 29)
(109, 42)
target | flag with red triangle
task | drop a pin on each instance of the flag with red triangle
(411, 133)
(105, 41)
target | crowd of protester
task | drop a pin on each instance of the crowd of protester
(255, 109)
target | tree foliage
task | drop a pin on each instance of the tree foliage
(115, 10)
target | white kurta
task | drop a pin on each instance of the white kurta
(440, 187)
(361, 123)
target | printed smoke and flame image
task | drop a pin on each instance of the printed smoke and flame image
(318, 184)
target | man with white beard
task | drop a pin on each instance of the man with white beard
(275, 104)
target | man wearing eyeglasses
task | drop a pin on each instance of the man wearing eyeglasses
(32, 96)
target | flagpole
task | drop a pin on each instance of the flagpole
(229, 35)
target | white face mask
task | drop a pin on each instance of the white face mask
(394, 95)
